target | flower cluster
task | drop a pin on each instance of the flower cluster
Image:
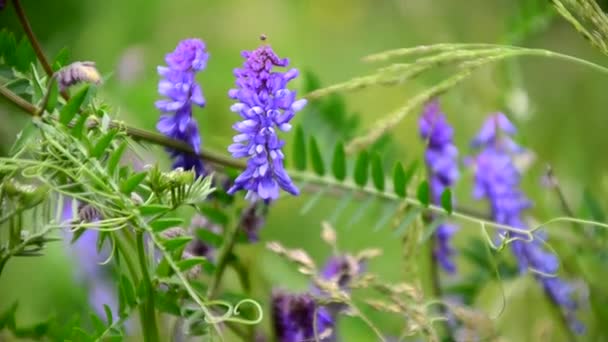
(178, 85)
(497, 180)
(442, 163)
(266, 105)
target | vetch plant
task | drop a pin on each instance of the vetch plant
(178, 244)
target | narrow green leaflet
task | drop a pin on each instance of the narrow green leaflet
(316, 158)
(299, 150)
(103, 143)
(161, 224)
(213, 239)
(215, 215)
(338, 164)
(128, 291)
(187, 264)
(377, 172)
(176, 243)
(132, 182)
(115, 157)
(446, 200)
(361, 169)
(61, 59)
(423, 193)
(399, 181)
(24, 55)
(67, 113)
(153, 209)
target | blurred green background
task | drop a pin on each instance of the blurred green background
(558, 107)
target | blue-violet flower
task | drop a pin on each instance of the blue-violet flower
(442, 163)
(266, 105)
(497, 180)
(178, 85)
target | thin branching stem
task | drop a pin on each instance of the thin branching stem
(222, 262)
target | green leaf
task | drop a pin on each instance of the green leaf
(128, 291)
(132, 182)
(153, 209)
(53, 97)
(446, 200)
(299, 150)
(23, 138)
(187, 264)
(61, 59)
(115, 157)
(214, 215)
(423, 193)
(79, 127)
(161, 224)
(67, 113)
(213, 239)
(377, 172)
(97, 323)
(399, 181)
(361, 169)
(103, 143)
(9, 49)
(176, 243)
(311, 81)
(409, 173)
(338, 164)
(24, 55)
(315, 157)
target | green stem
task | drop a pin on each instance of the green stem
(222, 262)
(148, 320)
(307, 178)
(132, 268)
(436, 285)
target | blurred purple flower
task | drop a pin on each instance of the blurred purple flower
(253, 219)
(266, 105)
(294, 318)
(179, 86)
(88, 270)
(198, 247)
(442, 163)
(497, 180)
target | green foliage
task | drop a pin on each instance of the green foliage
(299, 149)
(315, 157)
(338, 165)
(361, 169)
(69, 111)
(446, 200)
(377, 172)
(423, 193)
(161, 224)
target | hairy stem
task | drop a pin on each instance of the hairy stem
(149, 319)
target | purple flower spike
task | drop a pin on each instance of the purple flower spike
(266, 106)
(497, 180)
(442, 163)
(179, 87)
